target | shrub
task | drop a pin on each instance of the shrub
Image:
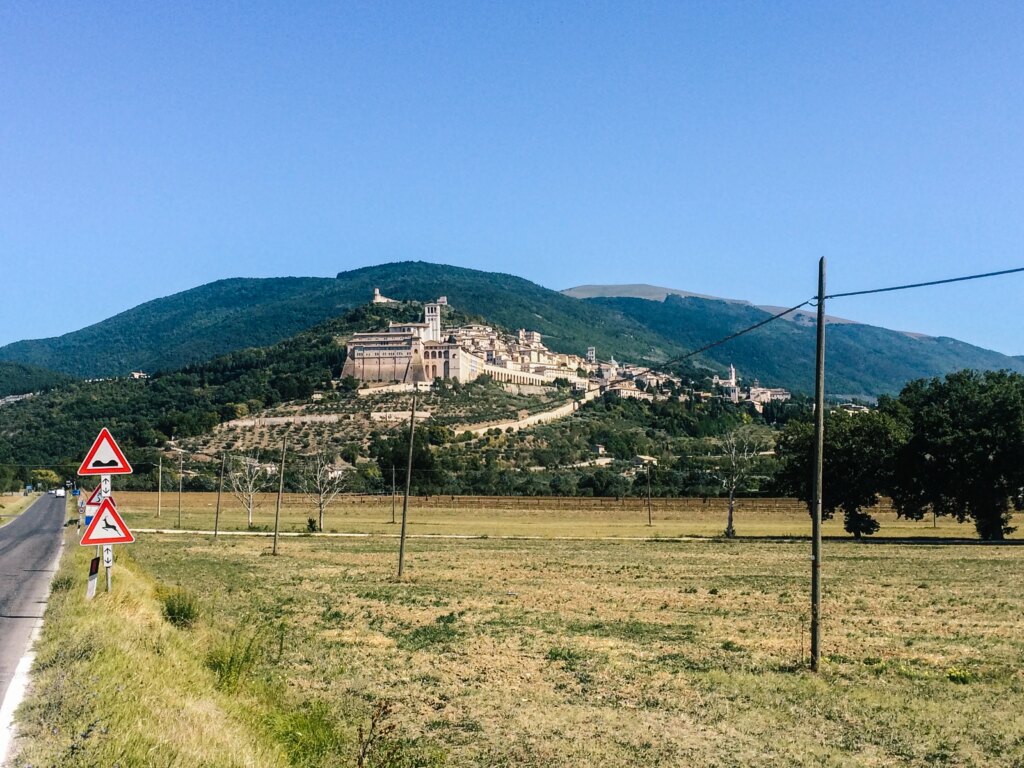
(62, 582)
(233, 658)
(960, 675)
(181, 607)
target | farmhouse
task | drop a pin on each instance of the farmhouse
(412, 353)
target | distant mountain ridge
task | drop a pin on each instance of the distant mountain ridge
(229, 315)
(860, 359)
(660, 293)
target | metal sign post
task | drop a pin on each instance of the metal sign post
(108, 561)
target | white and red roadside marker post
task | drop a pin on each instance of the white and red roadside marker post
(105, 458)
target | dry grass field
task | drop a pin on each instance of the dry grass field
(538, 652)
(12, 505)
(515, 516)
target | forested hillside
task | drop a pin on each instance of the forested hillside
(861, 359)
(188, 327)
(18, 378)
(215, 319)
(54, 428)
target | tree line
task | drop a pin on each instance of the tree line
(950, 447)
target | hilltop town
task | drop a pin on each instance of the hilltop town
(408, 354)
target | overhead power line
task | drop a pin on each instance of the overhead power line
(732, 336)
(924, 285)
(813, 302)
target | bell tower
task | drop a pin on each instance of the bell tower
(432, 317)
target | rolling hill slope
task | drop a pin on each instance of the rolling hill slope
(229, 315)
(861, 359)
(190, 326)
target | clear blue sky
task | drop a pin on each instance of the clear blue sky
(146, 148)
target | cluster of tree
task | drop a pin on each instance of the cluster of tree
(559, 459)
(952, 446)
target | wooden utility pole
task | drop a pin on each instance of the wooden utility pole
(819, 450)
(649, 519)
(408, 479)
(159, 485)
(220, 490)
(393, 495)
(280, 492)
(181, 475)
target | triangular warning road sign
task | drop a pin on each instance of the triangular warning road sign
(107, 527)
(105, 458)
(95, 499)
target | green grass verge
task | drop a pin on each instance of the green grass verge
(141, 677)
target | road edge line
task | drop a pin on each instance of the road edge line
(20, 681)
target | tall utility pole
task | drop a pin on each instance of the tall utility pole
(181, 475)
(280, 492)
(393, 495)
(649, 520)
(819, 451)
(159, 485)
(220, 490)
(408, 479)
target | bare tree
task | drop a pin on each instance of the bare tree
(322, 481)
(249, 478)
(740, 449)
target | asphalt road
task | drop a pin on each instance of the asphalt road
(28, 550)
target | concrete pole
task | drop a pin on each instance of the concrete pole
(408, 479)
(159, 485)
(220, 490)
(649, 518)
(181, 477)
(280, 492)
(819, 451)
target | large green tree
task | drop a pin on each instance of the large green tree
(857, 464)
(965, 454)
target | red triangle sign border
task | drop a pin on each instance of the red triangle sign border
(123, 467)
(107, 508)
(95, 499)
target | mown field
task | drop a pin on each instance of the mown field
(539, 652)
(515, 516)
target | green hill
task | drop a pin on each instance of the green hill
(188, 327)
(54, 427)
(861, 359)
(226, 315)
(18, 378)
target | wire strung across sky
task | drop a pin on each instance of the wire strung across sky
(814, 302)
